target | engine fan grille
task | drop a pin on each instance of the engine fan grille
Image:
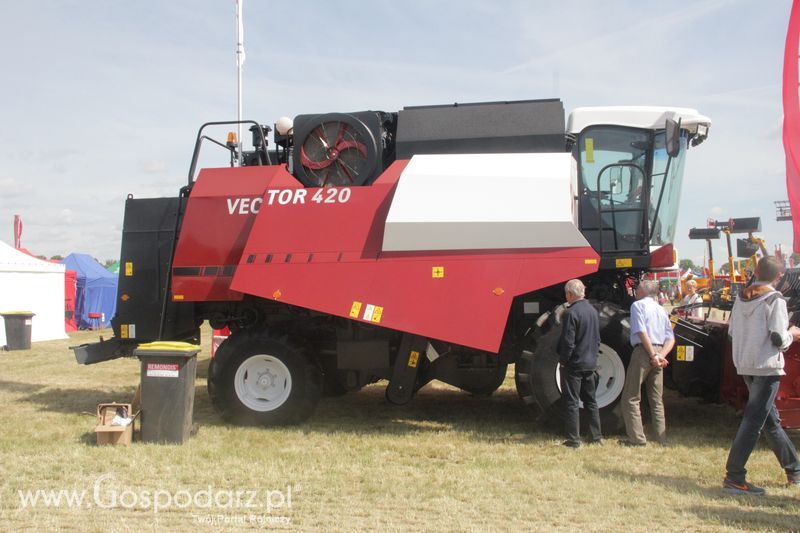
(336, 154)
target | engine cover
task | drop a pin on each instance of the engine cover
(342, 149)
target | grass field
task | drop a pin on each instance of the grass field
(447, 461)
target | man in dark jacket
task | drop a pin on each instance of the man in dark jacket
(578, 349)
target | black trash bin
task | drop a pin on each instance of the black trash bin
(18, 329)
(168, 376)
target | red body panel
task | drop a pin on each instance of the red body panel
(663, 257)
(212, 237)
(326, 256)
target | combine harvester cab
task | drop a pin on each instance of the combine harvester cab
(432, 243)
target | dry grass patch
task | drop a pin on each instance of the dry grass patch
(448, 461)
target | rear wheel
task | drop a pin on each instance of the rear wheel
(255, 378)
(538, 379)
(489, 384)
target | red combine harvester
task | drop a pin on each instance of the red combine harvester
(428, 244)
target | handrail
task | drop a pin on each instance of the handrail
(200, 138)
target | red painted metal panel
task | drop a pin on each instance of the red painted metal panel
(322, 251)
(662, 257)
(217, 223)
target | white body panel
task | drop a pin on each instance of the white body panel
(484, 201)
(647, 117)
(30, 284)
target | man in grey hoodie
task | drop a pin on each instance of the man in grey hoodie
(760, 333)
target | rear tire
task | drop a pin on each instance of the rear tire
(537, 375)
(256, 378)
(488, 388)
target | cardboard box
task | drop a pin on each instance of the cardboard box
(108, 434)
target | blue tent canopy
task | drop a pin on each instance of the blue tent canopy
(96, 292)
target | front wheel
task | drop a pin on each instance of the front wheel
(537, 373)
(255, 378)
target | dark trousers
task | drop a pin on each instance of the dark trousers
(580, 385)
(760, 414)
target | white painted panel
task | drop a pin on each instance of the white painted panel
(483, 201)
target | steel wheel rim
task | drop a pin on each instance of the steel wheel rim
(611, 373)
(262, 383)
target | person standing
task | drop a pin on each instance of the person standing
(692, 303)
(578, 348)
(652, 339)
(760, 333)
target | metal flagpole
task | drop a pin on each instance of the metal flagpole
(239, 63)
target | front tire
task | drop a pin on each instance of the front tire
(537, 373)
(256, 378)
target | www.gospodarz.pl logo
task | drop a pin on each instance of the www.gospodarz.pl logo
(107, 494)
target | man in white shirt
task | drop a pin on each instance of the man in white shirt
(652, 339)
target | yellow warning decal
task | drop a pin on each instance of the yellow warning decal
(123, 331)
(674, 320)
(177, 297)
(376, 314)
(624, 262)
(590, 261)
(589, 142)
(413, 359)
(681, 353)
(355, 309)
(129, 268)
(437, 272)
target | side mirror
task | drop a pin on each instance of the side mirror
(673, 137)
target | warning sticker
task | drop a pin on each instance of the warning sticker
(437, 272)
(685, 353)
(355, 310)
(368, 311)
(376, 314)
(624, 262)
(413, 359)
(127, 331)
(588, 144)
(162, 370)
(128, 268)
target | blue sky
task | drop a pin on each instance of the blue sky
(102, 98)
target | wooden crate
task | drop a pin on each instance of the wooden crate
(108, 434)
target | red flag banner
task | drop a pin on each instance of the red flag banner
(791, 119)
(17, 232)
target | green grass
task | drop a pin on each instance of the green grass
(447, 461)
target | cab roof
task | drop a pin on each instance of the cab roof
(648, 117)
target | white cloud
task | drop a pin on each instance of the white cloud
(154, 166)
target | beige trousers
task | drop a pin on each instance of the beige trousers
(639, 372)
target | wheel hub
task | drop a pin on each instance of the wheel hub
(266, 380)
(263, 383)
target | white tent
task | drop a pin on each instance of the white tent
(30, 284)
